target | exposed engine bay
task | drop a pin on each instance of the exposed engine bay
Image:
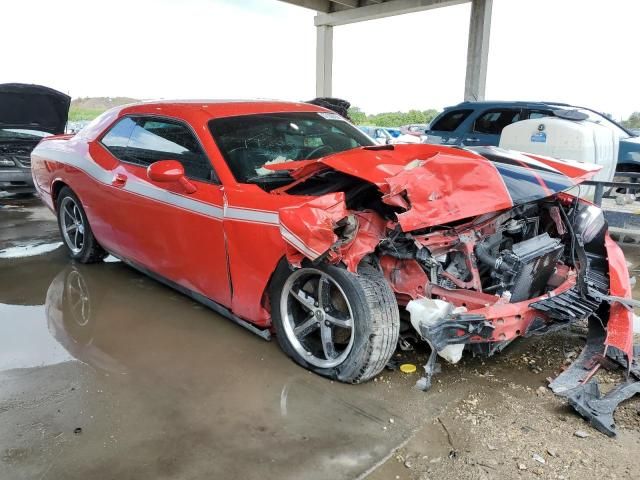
(538, 261)
(481, 267)
(515, 253)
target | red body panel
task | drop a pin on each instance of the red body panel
(620, 326)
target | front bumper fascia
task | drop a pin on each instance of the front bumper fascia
(16, 180)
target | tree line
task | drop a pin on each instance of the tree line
(633, 121)
(391, 119)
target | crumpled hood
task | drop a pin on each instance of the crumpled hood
(434, 184)
(33, 107)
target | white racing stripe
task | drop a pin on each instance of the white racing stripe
(137, 186)
(251, 215)
(145, 189)
(298, 244)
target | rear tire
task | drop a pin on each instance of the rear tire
(357, 314)
(75, 229)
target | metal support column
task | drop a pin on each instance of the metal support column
(478, 49)
(324, 60)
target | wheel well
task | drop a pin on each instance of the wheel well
(55, 190)
(265, 301)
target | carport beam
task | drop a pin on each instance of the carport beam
(324, 60)
(478, 50)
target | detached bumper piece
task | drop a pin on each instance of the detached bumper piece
(598, 409)
(447, 331)
(452, 330)
(583, 392)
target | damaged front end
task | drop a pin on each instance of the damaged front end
(481, 246)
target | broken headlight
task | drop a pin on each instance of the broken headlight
(589, 222)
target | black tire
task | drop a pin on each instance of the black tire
(90, 251)
(376, 321)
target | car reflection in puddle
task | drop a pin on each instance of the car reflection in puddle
(169, 369)
(70, 317)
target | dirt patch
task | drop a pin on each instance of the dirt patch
(508, 424)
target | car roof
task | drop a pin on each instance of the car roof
(214, 108)
(505, 103)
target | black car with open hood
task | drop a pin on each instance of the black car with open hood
(33, 107)
(27, 113)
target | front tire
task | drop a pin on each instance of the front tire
(75, 229)
(336, 323)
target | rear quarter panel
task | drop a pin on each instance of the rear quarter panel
(66, 160)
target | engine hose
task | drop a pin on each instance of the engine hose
(483, 251)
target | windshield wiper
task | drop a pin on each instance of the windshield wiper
(379, 147)
(276, 175)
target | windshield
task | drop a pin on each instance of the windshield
(250, 143)
(21, 134)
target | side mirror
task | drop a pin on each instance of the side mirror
(169, 171)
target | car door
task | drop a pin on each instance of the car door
(169, 232)
(449, 127)
(487, 127)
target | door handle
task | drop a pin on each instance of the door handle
(119, 180)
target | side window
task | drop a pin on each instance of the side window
(152, 139)
(117, 139)
(533, 114)
(450, 121)
(493, 121)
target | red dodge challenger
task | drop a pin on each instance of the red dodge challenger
(287, 219)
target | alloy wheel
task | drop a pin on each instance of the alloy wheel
(72, 225)
(317, 317)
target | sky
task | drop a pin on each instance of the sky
(576, 51)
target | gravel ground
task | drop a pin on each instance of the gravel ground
(508, 424)
(500, 421)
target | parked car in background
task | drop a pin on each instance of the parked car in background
(76, 126)
(394, 132)
(481, 123)
(413, 133)
(417, 129)
(28, 113)
(379, 134)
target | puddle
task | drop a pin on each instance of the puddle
(159, 373)
(25, 341)
(29, 250)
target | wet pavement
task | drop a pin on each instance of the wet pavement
(105, 373)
